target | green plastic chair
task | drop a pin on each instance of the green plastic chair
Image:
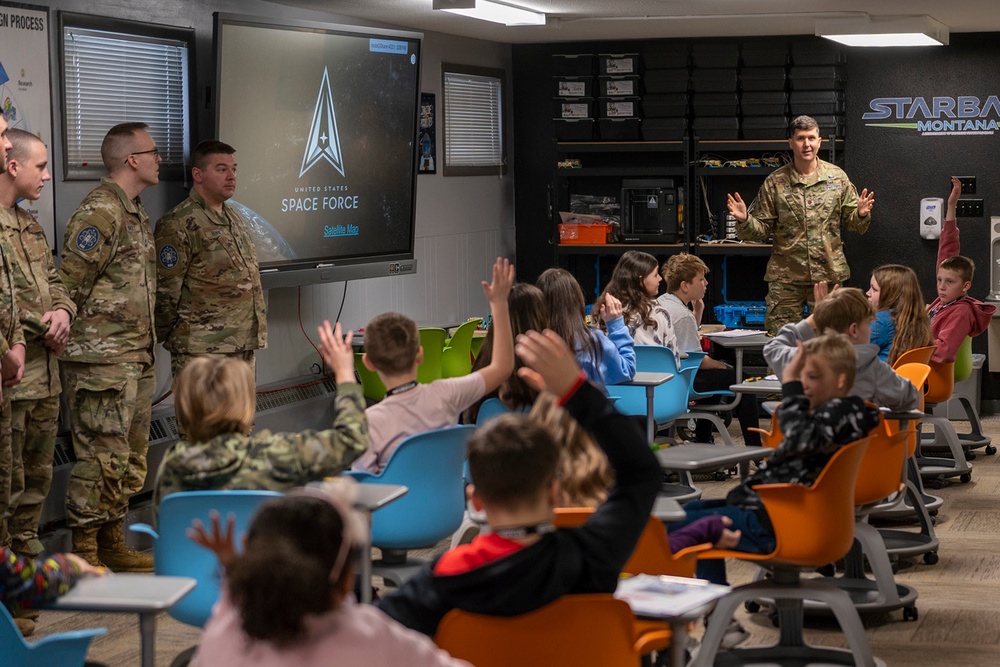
(432, 340)
(963, 362)
(371, 383)
(456, 359)
(477, 345)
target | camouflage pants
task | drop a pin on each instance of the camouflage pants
(179, 361)
(786, 304)
(110, 407)
(6, 468)
(34, 426)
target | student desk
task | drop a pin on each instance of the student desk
(740, 344)
(370, 498)
(696, 456)
(143, 594)
(649, 380)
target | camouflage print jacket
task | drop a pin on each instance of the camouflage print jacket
(11, 332)
(208, 294)
(265, 460)
(805, 214)
(39, 291)
(109, 273)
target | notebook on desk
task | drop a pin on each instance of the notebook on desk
(666, 597)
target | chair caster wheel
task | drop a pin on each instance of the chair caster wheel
(934, 483)
(751, 606)
(990, 450)
(965, 478)
(773, 616)
(931, 557)
(720, 476)
(970, 455)
(910, 613)
(895, 567)
(829, 570)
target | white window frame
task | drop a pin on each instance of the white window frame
(115, 71)
(474, 139)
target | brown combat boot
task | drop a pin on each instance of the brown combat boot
(85, 544)
(25, 625)
(115, 555)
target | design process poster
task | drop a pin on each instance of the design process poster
(25, 101)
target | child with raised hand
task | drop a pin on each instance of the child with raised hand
(288, 598)
(215, 401)
(29, 583)
(392, 349)
(901, 321)
(954, 314)
(605, 358)
(636, 283)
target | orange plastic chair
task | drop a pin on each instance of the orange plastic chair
(652, 553)
(593, 630)
(813, 526)
(918, 355)
(940, 386)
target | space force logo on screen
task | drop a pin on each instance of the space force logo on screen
(324, 140)
(935, 116)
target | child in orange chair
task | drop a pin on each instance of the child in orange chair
(954, 314)
(901, 321)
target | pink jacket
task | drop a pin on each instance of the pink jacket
(351, 635)
(966, 317)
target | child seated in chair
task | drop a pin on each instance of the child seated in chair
(524, 563)
(817, 417)
(215, 400)
(954, 314)
(392, 349)
(846, 310)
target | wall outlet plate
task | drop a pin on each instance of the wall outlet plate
(968, 184)
(969, 208)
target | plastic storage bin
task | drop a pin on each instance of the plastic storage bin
(618, 107)
(619, 129)
(741, 314)
(763, 78)
(665, 105)
(618, 86)
(667, 81)
(573, 86)
(584, 233)
(574, 129)
(617, 63)
(573, 64)
(714, 80)
(664, 129)
(764, 103)
(573, 107)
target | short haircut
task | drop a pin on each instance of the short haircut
(682, 268)
(207, 148)
(21, 142)
(512, 460)
(837, 351)
(802, 123)
(392, 343)
(214, 396)
(842, 308)
(118, 144)
(963, 266)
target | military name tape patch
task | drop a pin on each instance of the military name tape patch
(168, 257)
(87, 238)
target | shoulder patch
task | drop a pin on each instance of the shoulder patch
(168, 256)
(87, 239)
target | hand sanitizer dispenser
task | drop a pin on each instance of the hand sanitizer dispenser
(931, 212)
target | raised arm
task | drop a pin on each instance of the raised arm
(758, 225)
(950, 245)
(497, 292)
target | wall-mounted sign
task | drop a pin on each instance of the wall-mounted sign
(966, 114)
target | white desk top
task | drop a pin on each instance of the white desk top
(758, 387)
(668, 510)
(646, 379)
(373, 496)
(751, 341)
(697, 456)
(135, 593)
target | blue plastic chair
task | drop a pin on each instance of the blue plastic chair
(65, 649)
(175, 554)
(431, 466)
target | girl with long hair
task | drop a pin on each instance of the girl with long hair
(901, 321)
(636, 283)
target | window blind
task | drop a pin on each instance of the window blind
(473, 120)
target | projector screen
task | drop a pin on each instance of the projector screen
(324, 121)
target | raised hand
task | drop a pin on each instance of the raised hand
(956, 192)
(737, 207)
(336, 351)
(503, 279)
(611, 309)
(865, 202)
(549, 364)
(218, 541)
(793, 370)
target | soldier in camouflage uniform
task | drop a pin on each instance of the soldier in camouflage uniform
(108, 268)
(214, 400)
(208, 295)
(803, 205)
(45, 312)
(11, 355)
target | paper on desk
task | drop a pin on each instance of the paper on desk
(664, 597)
(736, 333)
(772, 376)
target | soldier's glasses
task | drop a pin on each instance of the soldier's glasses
(154, 151)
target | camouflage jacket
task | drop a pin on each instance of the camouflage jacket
(38, 291)
(11, 332)
(805, 214)
(108, 268)
(208, 293)
(265, 460)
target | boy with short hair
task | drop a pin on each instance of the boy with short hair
(954, 314)
(525, 563)
(392, 349)
(846, 310)
(817, 416)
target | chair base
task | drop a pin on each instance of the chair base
(396, 572)
(789, 591)
(183, 659)
(682, 493)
